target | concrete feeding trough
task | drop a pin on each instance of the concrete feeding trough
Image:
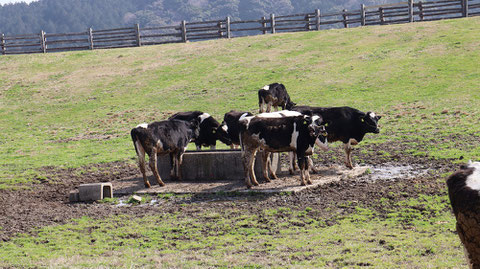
(213, 165)
(92, 192)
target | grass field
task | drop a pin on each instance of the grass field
(71, 110)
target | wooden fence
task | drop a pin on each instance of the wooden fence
(402, 12)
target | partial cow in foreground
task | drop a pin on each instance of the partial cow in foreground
(464, 193)
(282, 134)
(170, 136)
(210, 130)
(274, 95)
(345, 124)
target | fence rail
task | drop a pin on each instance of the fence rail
(402, 12)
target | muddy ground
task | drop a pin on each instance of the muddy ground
(46, 202)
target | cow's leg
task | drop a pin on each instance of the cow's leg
(266, 165)
(153, 167)
(348, 152)
(251, 167)
(141, 163)
(178, 171)
(307, 168)
(302, 165)
(272, 172)
(269, 107)
(260, 105)
(248, 156)
(173, 163)
(291, 158)
(311, 166)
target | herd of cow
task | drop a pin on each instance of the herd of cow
(294, 129)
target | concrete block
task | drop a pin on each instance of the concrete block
(73, 196)
(213, 165)
(95, 191)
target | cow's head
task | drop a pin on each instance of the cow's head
(289, 105)
(369, 121)
(195, 128)
(315, 126)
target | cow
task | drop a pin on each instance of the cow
(345, 124)
(464, 193)
(274, 95)
(210, 129)
(278, 134)
(232, 126)
(162, 137)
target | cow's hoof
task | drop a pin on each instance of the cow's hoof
(147, 185)
(309, 182)
(290, 171)
(274, 177)
(255, 183)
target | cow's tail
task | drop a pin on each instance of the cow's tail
(135, 133)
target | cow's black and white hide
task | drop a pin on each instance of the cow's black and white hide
(232, 126)
(464, 193)
(210, 130)
(280, 134)
(274, 95)
(345, 124)
(162, 137)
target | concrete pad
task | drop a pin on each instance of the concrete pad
(285, 183)
(95, 191)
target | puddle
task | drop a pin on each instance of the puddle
(392, 172)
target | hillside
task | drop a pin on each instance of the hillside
(65, 120)
(72, 109)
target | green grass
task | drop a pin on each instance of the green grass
(73, 109)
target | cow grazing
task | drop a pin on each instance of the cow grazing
(210, 130)
(232, 126)
(278, 134)
(464, 193)
(345, 124)
(275, 95)
(170, 136)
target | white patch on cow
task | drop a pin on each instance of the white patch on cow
(270, 115)
(143, 125)
(159, 145)
(372, 115)
(473, 180)
(140, 151)
(267, 87)
(289, 113)
(279, 114)
(295, 133)
(245, 120)
(225, 128)
(204, 116)
(243, 116)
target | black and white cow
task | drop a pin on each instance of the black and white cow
(275, 95)
(464, 193)
(280, 134)
(345, 124)
(210, 130)
(169, 136)
(232, 126)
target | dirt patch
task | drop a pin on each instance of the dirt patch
(46, 203)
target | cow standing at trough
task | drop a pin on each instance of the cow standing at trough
(464, 193)
(282, 134)
(210, 130)
(170, 136)
(274, 95)
(232, 127)
(345, 124)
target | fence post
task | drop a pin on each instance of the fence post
(137, 34)
(307, 25)
(264, 25)
(382, 15)
(3, 44)
(362, 15)
(184, 31)
(229, 33)
(465, 8)
(90, 38)
(220, 25)
(420, 9)
(42, 37)
(345, 18)
(410, 10)
(317, 18)
(272, 22)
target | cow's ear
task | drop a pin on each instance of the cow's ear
(379, 117)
